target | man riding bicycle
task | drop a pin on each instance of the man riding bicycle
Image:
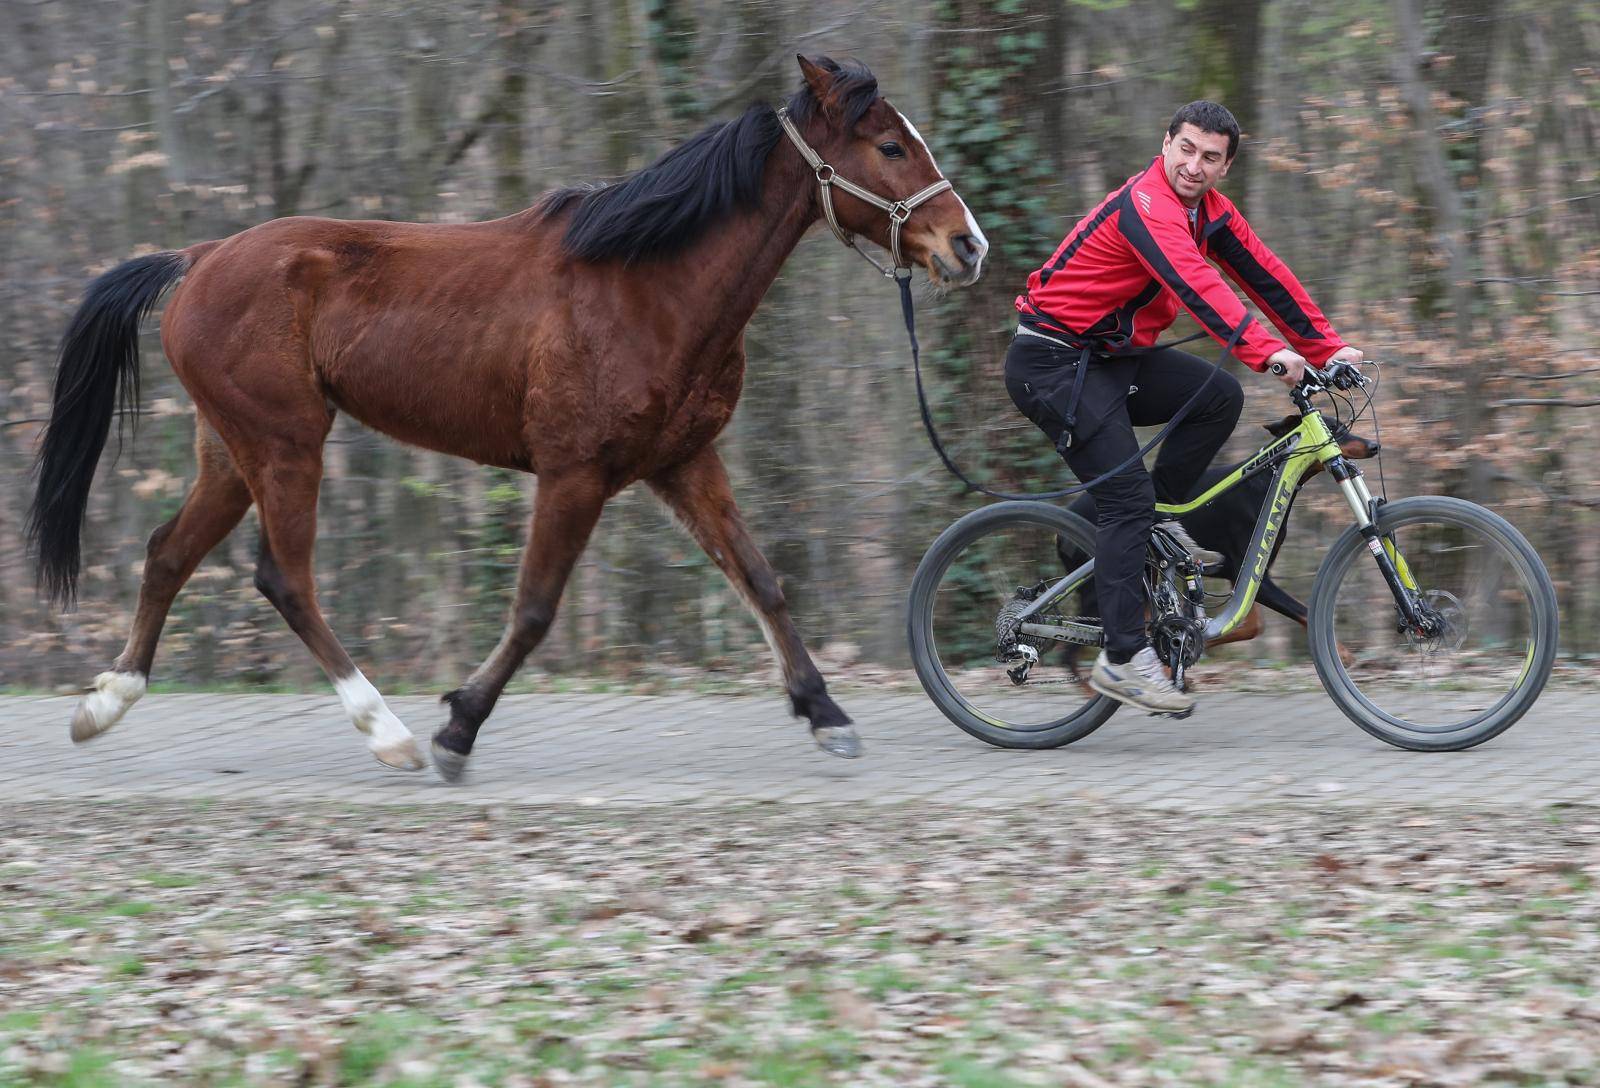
(1081, 370)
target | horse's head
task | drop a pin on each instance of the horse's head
(867, 141)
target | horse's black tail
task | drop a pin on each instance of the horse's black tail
(98, 365)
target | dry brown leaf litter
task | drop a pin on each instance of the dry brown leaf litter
(188, 944)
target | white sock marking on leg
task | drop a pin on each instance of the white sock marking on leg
(113, 694)
(369, 713)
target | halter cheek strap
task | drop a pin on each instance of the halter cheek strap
(827, 177)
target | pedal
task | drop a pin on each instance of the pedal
(1175, 715)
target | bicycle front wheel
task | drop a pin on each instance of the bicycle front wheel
(1493, 639)
(1014, 681)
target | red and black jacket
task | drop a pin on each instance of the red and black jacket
(1122, 273)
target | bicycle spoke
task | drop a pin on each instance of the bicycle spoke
(1027, 681)
(1474, 654)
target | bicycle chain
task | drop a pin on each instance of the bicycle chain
(1009, 621)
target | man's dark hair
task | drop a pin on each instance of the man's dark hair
(1208, 117)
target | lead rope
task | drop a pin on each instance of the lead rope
(904, 283)
(899, 211)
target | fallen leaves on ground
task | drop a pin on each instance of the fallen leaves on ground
(913, 945)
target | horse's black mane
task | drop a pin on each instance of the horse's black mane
(660, 209)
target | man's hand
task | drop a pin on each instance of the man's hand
(1353, 356)
(1294, 366)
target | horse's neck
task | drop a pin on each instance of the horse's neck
(739, 260)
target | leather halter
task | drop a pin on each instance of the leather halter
(827, 177)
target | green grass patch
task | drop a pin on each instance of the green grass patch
(20, 1021)
(881, 980)
(127, 967)
(962, 1073)
(170, 880)
(1473, 952)
(88, 1068)
(374, 1042)
(802, 1066)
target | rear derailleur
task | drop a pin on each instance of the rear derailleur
(1020, 653)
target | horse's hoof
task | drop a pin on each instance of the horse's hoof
(450, 765)
(402, 755)
(84, 725)
(104, 704)
(838, 740)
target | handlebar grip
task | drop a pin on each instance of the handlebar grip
(1279, 369)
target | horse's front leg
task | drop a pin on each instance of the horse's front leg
(565, 509)
(699, 494)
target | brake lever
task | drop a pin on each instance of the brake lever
(1350, 377)
(1314, 380)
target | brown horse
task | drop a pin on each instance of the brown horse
(595, 339)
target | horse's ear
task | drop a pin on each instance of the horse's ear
(818, 78)
(1283, 426)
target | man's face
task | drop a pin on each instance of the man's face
(1194, 161)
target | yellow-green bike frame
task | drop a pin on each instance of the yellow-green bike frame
(1289, 458)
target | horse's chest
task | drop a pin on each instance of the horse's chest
(704, 406)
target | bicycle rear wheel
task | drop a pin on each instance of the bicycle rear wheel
(1496, 636)
(976, 659)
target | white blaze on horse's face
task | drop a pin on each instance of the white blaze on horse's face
(979, 242)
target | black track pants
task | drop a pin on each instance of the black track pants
(1119, 394)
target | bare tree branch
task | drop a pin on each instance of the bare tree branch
(1545, 402)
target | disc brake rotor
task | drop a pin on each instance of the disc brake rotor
(1451, 616)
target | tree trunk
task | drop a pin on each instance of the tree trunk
(1449, 235)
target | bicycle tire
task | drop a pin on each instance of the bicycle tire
(1543, 612)
(920, 620)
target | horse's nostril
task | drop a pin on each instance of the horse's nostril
(966, 248)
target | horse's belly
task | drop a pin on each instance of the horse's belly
(479, 424)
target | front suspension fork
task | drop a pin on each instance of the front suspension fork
(1362, 505)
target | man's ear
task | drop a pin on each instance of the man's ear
(818, 78)
(1283, 426)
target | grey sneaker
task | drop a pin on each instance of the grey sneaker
(1142, 682)
(1204, 556)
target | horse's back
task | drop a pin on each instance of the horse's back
(422, 331)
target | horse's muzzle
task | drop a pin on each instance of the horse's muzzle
(965, 262)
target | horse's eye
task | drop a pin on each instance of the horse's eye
(892, 150)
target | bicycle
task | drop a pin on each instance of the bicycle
(1439, 643)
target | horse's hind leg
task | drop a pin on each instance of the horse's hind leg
(699, 494)
(565, 509)
(214, 505)
(285, 477)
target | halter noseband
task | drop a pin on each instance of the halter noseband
(827, 177)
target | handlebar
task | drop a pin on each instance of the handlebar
(1338, 375)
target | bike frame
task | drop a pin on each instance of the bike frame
(1289, 458)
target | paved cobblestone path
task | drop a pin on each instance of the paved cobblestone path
(1237, 751)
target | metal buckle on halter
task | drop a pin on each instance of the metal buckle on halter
(827, 177)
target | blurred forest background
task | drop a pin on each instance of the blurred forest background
(1431, 170)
